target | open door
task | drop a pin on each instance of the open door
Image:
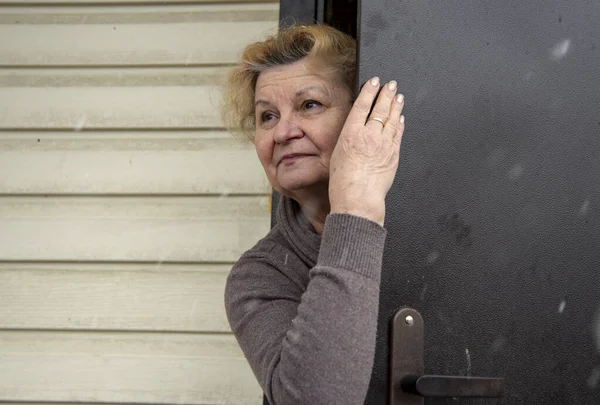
(494, 219)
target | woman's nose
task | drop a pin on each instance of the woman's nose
(287, 129)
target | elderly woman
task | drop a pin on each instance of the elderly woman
(303, 301)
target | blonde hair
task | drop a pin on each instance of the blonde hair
(320, 43)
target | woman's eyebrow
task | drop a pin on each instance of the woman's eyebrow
(308, 89)
(299, 94)
(261, 102)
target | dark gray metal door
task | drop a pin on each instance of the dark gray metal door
(494, 219)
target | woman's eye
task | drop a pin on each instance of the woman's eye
(311, 104)
(267, 116)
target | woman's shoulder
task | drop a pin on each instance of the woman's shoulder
(274, 248)
(271, 258)
(267, 245)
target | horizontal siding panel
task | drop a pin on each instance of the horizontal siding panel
(125, 367)
(109, 107)
(129, 163)
(131, 13)
(174, 229)
(113, 297)
(97, 98)
(147, 76)
(134, 35)
(117, 2)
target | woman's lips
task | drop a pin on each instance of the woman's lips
(287, 159)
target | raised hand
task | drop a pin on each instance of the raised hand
(364, 162)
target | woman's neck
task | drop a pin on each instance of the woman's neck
(315, 208)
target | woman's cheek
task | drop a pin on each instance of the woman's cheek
(261, 151)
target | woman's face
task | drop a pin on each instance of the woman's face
(299, 115)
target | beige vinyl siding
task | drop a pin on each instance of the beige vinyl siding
(125, 296)
(128, 35)
(93, 99)
(116, 2)
(123, 201)
(124, 162)
(163, 368)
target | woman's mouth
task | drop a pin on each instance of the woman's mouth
(291, 158)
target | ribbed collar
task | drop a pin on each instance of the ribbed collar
(298, 231)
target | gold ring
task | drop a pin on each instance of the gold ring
(377, 119)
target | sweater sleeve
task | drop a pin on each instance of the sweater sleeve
(315, 347)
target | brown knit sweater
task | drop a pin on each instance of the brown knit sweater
(303, 307)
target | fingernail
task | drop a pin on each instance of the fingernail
(375, 81)
(402, 119)
(392, 85)
(400, 98)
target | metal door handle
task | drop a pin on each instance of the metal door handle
(408, 385)
(449, 386)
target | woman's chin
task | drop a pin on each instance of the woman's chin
(293, 184)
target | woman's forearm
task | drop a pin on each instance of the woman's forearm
(320, 350)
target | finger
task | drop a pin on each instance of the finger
(384, 101)
(400, 131)
(393, 121)
(360, 110)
